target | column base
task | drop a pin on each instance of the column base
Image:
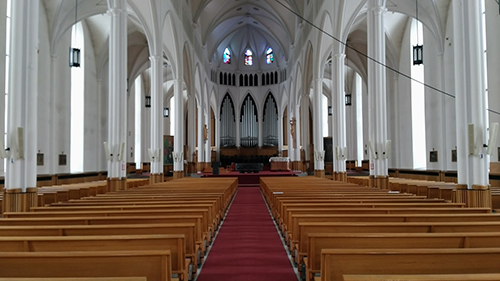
(371, 181)
(200, 166)
(477, 197)
(15, 200)
(319, 173)
(382, 182)
(340, 176)
(156, 178)
(178, 174)
(296, 165)
(115, 184)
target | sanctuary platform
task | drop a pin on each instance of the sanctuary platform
(251, 178)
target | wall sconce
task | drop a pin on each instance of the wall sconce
(418, 55)
(74, 57)
(148, 101)
(348, 101)
(330, 111)
(165, 112)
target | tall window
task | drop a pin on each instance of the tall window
(418, 102)
(138, 121)
(269, 56)
(248, 57)
(359, 117)
(77, 102)
(226, 57)
(7, 64)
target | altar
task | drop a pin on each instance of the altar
(280, 163)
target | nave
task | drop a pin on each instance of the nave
(333, 231)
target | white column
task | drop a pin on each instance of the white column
(178, 127)
(23, 94)
(117, 88)
(297, 132)
(280, 133)
(396, 143)
(191, 133)
(472, 164)
(156, 114)
(260, 120)
(237, 124)
(442, 120)
(208, 143)
(377, 87)
(339, 129)
(319, 153)
(201, 135)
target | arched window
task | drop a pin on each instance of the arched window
(234, 80)
(225, 78)
(418, 103)
(246, 80)
(256, 79)
(248, 57)
(241, 80)
(77, 103)
(226, 57)
(269, 55)
(229, 79)
(251, 80)
(263, 79)
(138, 121)
(276, 77)
(221, 78)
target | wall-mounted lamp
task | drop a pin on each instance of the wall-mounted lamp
(148, 101)
(330, 111)
(74, 57)
(165, 112)
(74, 53)
(418, 55)
(348, 101)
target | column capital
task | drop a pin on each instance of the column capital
(154, 58)
(116, 11)
(340, 55)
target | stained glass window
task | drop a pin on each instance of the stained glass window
(248, 57)
(269, 56)
(226, 57)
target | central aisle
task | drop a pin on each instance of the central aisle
(248, 246)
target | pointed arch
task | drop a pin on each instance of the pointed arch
(249, 122)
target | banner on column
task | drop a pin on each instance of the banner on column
(328, 146)
(168, 148)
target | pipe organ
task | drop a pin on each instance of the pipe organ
(270, 119)
(249, 123)
(227, 123)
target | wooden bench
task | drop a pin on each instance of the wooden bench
(194, 220)
(337, 263)
(192, 250)
(426, 277)
(387, 227)
(175, 243)
(76, 279)
(300, 218)
(319, 241)
(154, 265)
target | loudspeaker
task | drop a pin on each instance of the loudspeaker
(470, 138)
(3, 154)
(20, 142)
(106, 151)
(372, 150)
(492, 141)
(387, 148)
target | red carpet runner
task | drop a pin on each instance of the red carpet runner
(248, 246)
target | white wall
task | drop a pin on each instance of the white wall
(44, 93)
(493, 61)
(91, 114)
(404, 116)
(449, 87)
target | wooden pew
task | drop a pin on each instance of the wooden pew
(307, 228)
(319, 241)
(399, 210)
(76, 279)
(416, 217)
(426, 277)
(154, 265)
(194, 220)
(175, 243)
(337, 263)
(185, 229)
